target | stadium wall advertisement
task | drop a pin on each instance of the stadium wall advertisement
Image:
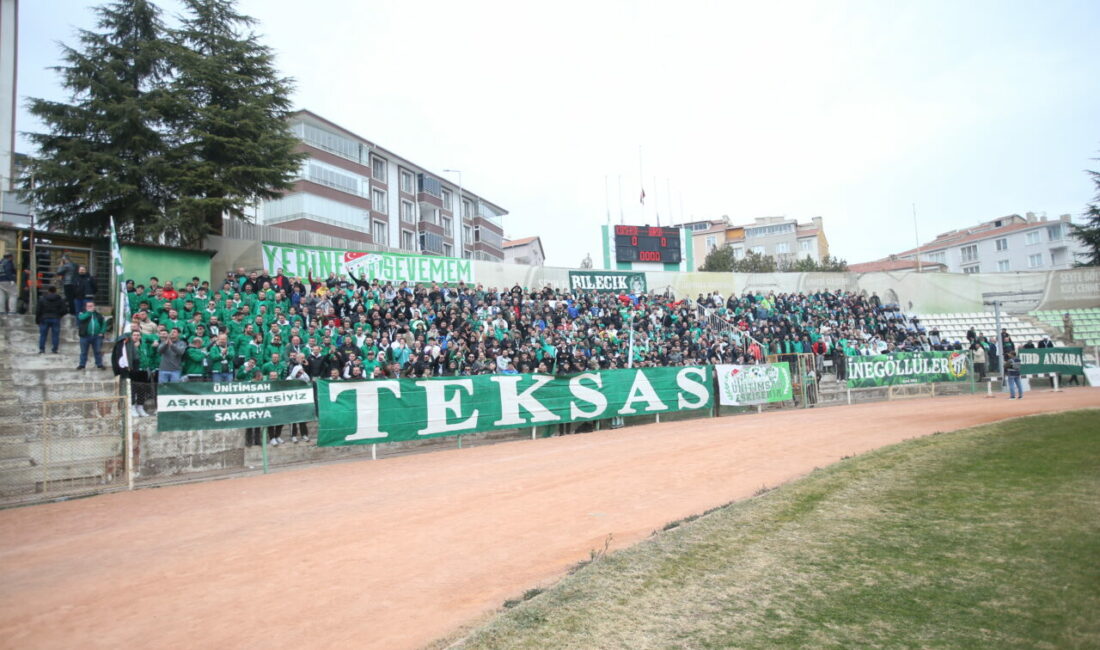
(1040, 361)
(387, 267)
(907, 368)
(607, 281)
(391, 410)
(193, 406)
(747, 385)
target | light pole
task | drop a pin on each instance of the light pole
(461, 225)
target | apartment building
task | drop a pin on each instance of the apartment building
(778, 237)
(527, 251)
(1012, 243)
(350, 187)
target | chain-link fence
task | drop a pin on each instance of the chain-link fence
(64, 447)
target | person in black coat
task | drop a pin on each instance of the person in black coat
(84, 289)
(51, 307)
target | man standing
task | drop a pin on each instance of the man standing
(8, 292)
(67, 272)
(1012, 376)
(84, 288)
(171, 351)
(91, 325)
(51, 307)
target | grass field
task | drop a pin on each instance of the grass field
(988, 537)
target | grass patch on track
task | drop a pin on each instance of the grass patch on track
(988, 537)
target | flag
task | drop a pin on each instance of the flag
(120, 277)
(642, 198)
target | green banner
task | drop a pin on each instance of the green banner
(1064, 361)
(386, 267)
(760, 384)
(607, 281)
(194, 405)
(391, 410)
(906, 368)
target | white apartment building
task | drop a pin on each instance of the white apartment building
(1011, 243)
(782, 238)
(351, 188)
(527, 251)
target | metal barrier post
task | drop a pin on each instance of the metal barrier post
(263, 446)
(533, 430)
(849, 397)
(1056, 389)
(128, 430)
(374, 451)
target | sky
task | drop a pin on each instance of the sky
(857, 112)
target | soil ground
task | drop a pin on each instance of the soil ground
(400, 552)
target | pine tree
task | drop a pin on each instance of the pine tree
(1089, 233)
(105, 154)
(232, 142)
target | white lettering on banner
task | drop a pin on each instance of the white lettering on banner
(237, 416)
(176, 403)
(511, 401)
(366, 405)
(642, 391)
(696, 388)
(440, 408)
(593, 397)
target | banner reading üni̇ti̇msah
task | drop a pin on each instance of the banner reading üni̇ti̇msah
(906, 368)
(1064, 361)
(760, 384)
(390, 410)
(386, 267)
(191, 406)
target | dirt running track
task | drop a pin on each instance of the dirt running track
(399, 552)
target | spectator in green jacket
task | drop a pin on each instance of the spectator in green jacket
(196, 361)
(91, 326)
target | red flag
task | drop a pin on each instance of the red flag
(642, 199)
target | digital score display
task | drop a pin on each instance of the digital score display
(647, 244)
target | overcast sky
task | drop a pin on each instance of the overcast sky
(852, 111)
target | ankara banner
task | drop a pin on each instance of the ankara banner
(391, 410)
(1039, 361)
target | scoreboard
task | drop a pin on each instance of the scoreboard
(647, 244)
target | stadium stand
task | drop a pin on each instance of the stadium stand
(1086, 323)
(954, 326)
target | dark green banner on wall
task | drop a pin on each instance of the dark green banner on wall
(1040, 361)
(907, 368)
(607, 281)
(195, 405)
(391, 410)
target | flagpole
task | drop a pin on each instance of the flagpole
(606, 199)
(622, 215)
(641, 181)
(668, 193)
(656, 202)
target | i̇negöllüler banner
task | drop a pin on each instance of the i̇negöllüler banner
(391, 410)
(385, 267)
(906, 368)
(760, 384)
(195, 405)
(1039, 361)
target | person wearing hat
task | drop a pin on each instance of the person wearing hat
(8, 292)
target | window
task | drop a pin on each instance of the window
(328, 141)
(378, 201)
(431, 242)
(782, 248)
(406, 182)
(738, 253)
(712, 242)
(1002, 265)
(330, 178)
(379, 232)
(759, 250)
(448, 250)
(467, 235)
(764, 231)
(407, 211)
(806, 245)
(408, 240)
(969, 253)
(447, 199)
(1002, 244)
(970, 269)
(378, 168)
(467, 209)
(1033, 237)
(937, 258)
(1054, 233)
(1035, 261)
(447, 228)
(429, 185)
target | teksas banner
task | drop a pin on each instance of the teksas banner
(906, 368)
(743, 385)
(1064, 361)
(386, 267)
(607, 281)
(190, 406)
(391, 410)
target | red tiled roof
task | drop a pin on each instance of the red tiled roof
(963, 237)
(519, 242)
(893, 265)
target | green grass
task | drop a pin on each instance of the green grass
(984, 538)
